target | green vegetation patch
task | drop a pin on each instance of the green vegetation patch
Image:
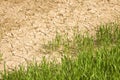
(97, 58)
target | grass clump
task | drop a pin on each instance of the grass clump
(97, 58)
(108, 34)
(1, 56)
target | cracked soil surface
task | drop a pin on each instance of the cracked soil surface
(25, 25)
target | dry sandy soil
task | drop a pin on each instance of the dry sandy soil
(25, 25)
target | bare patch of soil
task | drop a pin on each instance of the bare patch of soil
(27, 24)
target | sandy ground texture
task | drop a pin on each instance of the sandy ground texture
(25, 25)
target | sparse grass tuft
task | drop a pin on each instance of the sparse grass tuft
(1, 56)
(97, 58)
